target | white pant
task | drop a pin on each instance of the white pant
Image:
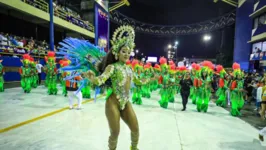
(72, 94)
(263, 132)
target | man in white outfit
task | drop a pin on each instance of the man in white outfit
(39, 69)
(72, 88)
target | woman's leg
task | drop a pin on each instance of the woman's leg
(112, 113)
(130, 118)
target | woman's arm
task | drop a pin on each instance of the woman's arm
(109, 70)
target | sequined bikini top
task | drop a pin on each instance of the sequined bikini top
(121, 77)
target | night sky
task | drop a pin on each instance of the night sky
(179, 12)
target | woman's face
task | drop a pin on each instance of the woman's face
(124, 54)
(204, 73)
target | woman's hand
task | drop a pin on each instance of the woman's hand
(90, 75)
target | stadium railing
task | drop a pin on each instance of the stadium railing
(59, 12)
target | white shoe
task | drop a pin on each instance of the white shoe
(255, 109)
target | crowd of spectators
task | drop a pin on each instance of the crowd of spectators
(62, 12)
(12, 44)
(253, 84)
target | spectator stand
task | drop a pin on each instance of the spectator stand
(61, 12)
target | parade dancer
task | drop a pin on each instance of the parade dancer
(204, 87)
(63, 74)
(34, 73)
(51, 72)
(237, 91)
(136, 98)
(221, 92)
(172, 84)
(25, 73)
(195, 83)
(146, 87)
(1, 77)
(116, 74)
(165, 83)
(157, 71)
(192, 76)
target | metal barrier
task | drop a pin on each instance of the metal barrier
(40, 4)
(59, 12)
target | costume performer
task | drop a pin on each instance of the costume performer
(51, 73)
(195, 87)
(34, 73)
(146, 88)
(157, 71)
(165, 83)
(63, 74)
(116, 74)
(221, 92)
(25, 73)
(172, 83)
(204, 90)
(136, 98)
(1, 77)
(237, 92)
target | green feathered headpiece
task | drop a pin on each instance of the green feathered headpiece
(123, 36)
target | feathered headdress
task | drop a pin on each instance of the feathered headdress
(82, 56)
(237, 71)
(220, 70)
(50, 57)
(26, 59)
(182, 70)
(172, 69)
(157, 67)
(207, 67)
(123, 36)
(163, 63)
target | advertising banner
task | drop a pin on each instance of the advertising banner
(101, 27)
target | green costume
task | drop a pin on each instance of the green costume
(51, 72)
(172, 84)
(221, 92)
(34, 74)
(1, 77)
(204, 90)
(25, 73)
(236, 93)
(165, 83)
(196, 77)
(137, 92)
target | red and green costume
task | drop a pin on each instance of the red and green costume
(51, 73)
(137, 91)
(157, 72)
(1, 77)
(172, 84)
(165, 83)
(236, 93)
(25, 73)
(204, 87)
(196, 71)
(34, 73)
(63, 74)
(146, 88)
(221, 92)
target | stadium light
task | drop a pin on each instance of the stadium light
(137, 51)
(207, 37)
(169, 46)
(176, 42)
